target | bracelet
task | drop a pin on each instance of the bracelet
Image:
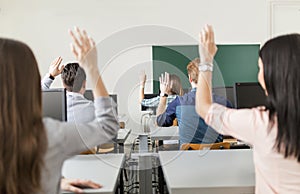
(206, 63)
(203, 68)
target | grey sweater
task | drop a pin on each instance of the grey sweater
(79, 109)
(68, 139)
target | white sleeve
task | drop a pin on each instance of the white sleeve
(46, 82)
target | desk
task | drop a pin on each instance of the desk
(208, 171)
(165, 133)
(121, 138)
(104, 169)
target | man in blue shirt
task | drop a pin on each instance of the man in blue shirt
(192, 128)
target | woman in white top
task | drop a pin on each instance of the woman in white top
(33, 149)
(274, 130)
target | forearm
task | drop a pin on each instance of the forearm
(203, 94)
(161, 106)
(46, 82)
(142, 96)
(97, 83)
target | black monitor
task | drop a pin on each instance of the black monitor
(55, 104)
(90, 96)
(226, 92)
(249, 95)
(148, 96)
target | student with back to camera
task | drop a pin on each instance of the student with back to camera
(272, 130)
(192, 128)
(175, 90)
(34, 149)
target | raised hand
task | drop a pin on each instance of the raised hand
(142, 77)
(55, 68)
(207, 46)
(165, 84)
(83, 48)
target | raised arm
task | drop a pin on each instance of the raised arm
(81, 136)
(142, 78)
(83, 48)
(54, 70)
(165, 88)
(207, 51)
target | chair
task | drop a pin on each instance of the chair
(213, 146)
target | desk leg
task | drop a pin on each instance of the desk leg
(121, 182)
(145, 174)
(121, 147)
(160, 180)
(160, 144)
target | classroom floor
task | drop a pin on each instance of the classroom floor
(131, 175)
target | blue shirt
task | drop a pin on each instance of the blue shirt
(192, 128)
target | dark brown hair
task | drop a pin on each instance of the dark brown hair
(73, 77)
(23, 139)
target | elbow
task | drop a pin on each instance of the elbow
(111, 128)
(202, 109)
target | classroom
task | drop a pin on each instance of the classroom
(150, 140)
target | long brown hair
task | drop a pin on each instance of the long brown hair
(23, 140)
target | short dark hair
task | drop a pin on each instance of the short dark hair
(73, 77)
(281, 63)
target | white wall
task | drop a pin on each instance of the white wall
(125, 31)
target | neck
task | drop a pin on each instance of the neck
(194, 85)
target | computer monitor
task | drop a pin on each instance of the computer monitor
(148, 96)
(55, 104)
(90, 96)
(226, 92)
(249, 95)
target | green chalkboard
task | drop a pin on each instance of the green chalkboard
(233, 63)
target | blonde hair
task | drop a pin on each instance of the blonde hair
(193, 70)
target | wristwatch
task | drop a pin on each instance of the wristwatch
(51, 77)
(164, 95)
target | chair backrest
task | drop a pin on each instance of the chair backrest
(213, 146)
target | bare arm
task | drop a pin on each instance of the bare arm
(207, 51)
(84, 49)
(143, 78)
(165, 88)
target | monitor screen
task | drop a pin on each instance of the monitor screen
(148, 96)
(249, 95)
(226, 92)
(90, 96)
(55, 104)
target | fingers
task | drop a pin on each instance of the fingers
(73, 189)
(75, 40)
(207, 34)
(61, 68)
(211, 33)
(75, 53)
(89, 183)
(161, 79)
(167, 78)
